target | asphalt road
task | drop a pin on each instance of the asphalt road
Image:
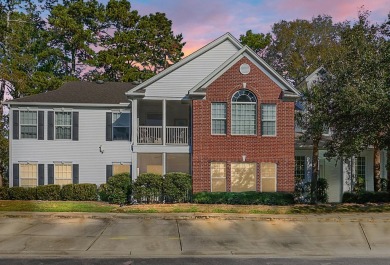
(199, 261)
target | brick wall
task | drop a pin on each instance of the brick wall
(229, 148)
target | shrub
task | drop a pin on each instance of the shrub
(20, 193)
(244, 198)
(102, 192)
(79, 192)
(366, 197)
(148, 187)
(117, 189)
(49, 192)
(322, 190)
(4, 193)
(177, 187)
(67, 192)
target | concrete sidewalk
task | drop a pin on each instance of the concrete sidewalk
(150, 235)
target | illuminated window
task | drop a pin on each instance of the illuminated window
(243, 177)
(63, 174)
(118, 168)
(268, 177)
(218, 176)
(28, 175)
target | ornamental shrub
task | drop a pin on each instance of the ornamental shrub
(148, 188)
(102, 192)
(4, 193)
(20, 193)
(177, 187)
(49, 192)
(366, 197)
(322, 190)
(244, 198)
(117, 190)
(79, 192)
(67, 192)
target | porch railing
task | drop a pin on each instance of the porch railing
(149, 134)
(177, 135)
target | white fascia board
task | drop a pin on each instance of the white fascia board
(189, 58)
(43, 104)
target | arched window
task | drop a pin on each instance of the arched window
(244, 104)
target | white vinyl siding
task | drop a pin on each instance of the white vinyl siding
(63, 125)
(28, 174)
(268, 119)
(120, 126)
(28, 124)
(218, 118)
(63, 174)
(218, 176)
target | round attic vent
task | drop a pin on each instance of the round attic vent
(245, 69)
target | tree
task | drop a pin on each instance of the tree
(360, 93)
(256, 41)
(300, 47)
(73, 29)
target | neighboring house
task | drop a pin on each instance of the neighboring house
(221, 114)
(340, 175)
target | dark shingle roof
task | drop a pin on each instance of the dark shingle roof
(80, 92)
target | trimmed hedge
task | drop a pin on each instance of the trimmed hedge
(148, 187)
(177, 187)
(4, 193)
(244, 198)
(366, 197)
(79, 192)
(48, 192)
(117, 190)
(20, 193)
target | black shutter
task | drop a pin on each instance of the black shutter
(50, 125)
(41, 125)
(50, 174)
(75, 174)
(108, 172)
(75, 127)
(15, 125)
(108, 126)
(41, 174)
(15, 178)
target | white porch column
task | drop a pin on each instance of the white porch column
(164, 121)
(164, 163)
(134, 121)
(134, 166)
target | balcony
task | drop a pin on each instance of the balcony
(174, 135)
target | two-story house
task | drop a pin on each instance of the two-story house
(221, 114)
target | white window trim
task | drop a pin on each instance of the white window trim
(20, 123)
(71, 124)
(276, 120)
(225, 119)
(276, 176)
(112, 124)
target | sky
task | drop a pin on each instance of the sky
(201, 21)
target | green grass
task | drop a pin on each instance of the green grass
(101, 207)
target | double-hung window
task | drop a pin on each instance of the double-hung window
(63, 174)
(244, 104)
(218, 176)
(28, 175)
(360, 171)
(120, 126)
(28, 124)
(268, 119)
(63, 125)
(218, 117)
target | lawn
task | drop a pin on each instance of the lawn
(102, 207)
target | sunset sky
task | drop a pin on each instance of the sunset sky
(201, 21)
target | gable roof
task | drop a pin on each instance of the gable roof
(140, 89)
(199, 89)
(81, 92)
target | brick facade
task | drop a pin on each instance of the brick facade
(229, 148)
